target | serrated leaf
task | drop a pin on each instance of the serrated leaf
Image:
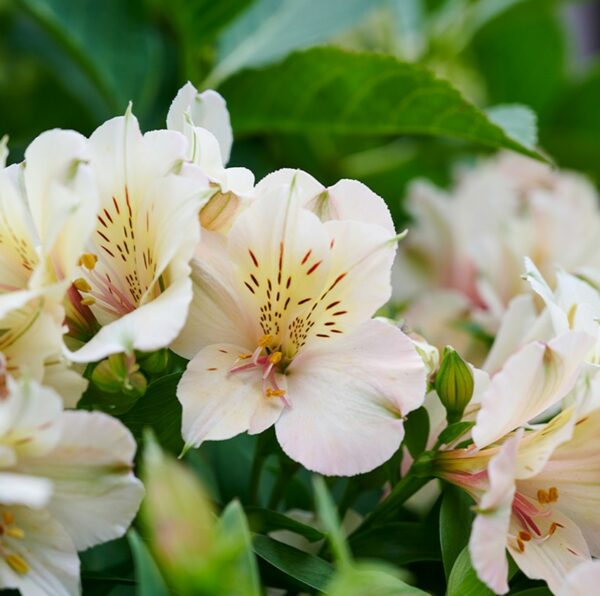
(264, 521)
(149, 580)
(455, 525)
(270, 29)
(519, 122)
(328, 90)
(307, 570)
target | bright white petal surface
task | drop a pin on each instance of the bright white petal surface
(532, 380)
(489, 534)
(218, 404)
(207, 110)
(48, 551)
(582, 581)
(18, 489)
(347, 402)
(552, 559)
(95, 494)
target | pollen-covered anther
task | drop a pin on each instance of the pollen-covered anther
(88, 260)
(269, 392)
(275, 357)
(17, 563)
(265, 340)
(88, 301)
(524, 536)
(82, 285)
(547, 496)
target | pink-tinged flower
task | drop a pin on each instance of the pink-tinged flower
(47, 205)
(582, 581)
(535, 485)
(134, 276)
(65, 485)
(280, 332)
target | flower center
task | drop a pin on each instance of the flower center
(266, 359)
(9, 532)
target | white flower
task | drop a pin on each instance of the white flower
(280, 332)
(65, 485)
(204, 119)
(134, 277)
(46, 211)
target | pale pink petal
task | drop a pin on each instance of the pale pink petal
(533, 379)
(347, 402)
(582, 581)
(95, 496)
(218, 404)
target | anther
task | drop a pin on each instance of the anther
(542, 496)
(553, 494)
(520, 545)
(88, 301)
(524, 536)
(17, 563)
(8, 517)
(274, 392)
(15, 532)
(265, 340)
(275, 357)
(82, 285)
(88, 260)
(244, 356)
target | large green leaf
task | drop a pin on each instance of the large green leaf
(399, 543)
(270, 29)
(455, 524)
(112, 47)
(264, 521)
(148, 577)
(463, 580)
(308, 570)
(332, 91)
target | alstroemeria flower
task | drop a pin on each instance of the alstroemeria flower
(534, 485)
(46, 205)
(583, 580)
(203, 118)
(65, 485)
(134, 276)
(281, 333)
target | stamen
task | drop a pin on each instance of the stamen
(524, 536)
(88, 301)
(17, 563)
(8, 518)
(553, 494)
(244, 356)
(88, 260)
(274, 392)
(82, 285)
(275, 357)
(15, 532)
(265, 340)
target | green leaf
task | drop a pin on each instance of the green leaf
(328, 515)
(264, 521)
(308, 570)
(270, 29)
(399, 543)
(234, 527)
(519, 122)
(463, 580)
(148, 577)
(455, 524)
(455, 431)
(110, 46)
(417, 431)
(331, 91)
(160, 411)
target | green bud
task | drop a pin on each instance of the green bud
(156, 362)
(454, 384)
(119, 373)
(135, 385)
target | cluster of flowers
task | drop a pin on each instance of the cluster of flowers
(125, 243)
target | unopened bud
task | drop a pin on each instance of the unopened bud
(218, 213)
(156, 362)
(119, 374)
(454, 384)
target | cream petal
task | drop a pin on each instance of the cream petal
(218, 404)
(488, 541)
(533, 379)
(582, 581)
(19, 489)
(95, 494)
(347, 401)
(48, 552)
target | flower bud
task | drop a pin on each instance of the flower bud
(218, 213)
(120, 374)
(454, 384)
(155, 362)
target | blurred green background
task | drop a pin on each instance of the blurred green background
(73, 64)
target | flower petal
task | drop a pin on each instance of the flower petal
(489, 535)
(49, 553)
(18, 489)
(218, 404)
(582, 581)
(348, 399)
(95, 494)
(532, 380)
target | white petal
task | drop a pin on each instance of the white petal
(348, 400)
(48, 552)
(489, 534)
(218, 404)
(18, 489)
(552, 559)
(95, 494)
(582, 581)
(207, 110)
(305, 186)
(532, 380)
(67, 382)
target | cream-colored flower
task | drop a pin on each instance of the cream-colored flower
(134, 275)
(65, 485)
